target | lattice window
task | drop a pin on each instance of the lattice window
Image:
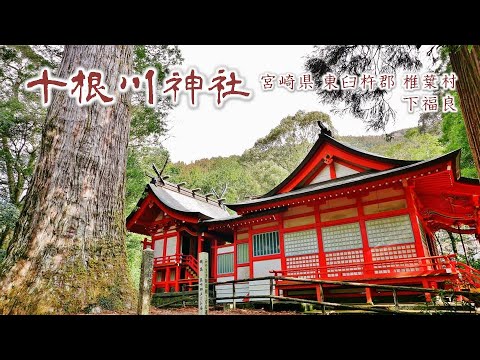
(395, 252)
(389, 231)
(342, 237)
(338, 263)
(225, 263)
(302, 261)
(242, 253)
(301, 242)
(266, 244)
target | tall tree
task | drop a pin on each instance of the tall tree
(68, 248)
(465, 61)
(21, 118)
(454, 136)
(373, 106)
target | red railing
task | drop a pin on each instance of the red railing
(469, 275)
(384, 268)
(187, 260)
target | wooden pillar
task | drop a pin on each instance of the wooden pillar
(199, 244)
(235, 262)
(250, 250)
(213, 266)
(281, 240)
(319, 291)
(434, 285)
(145, 292)
(395, 298)
(167, 279)
(271, 294)
(233, 296)
(177, 277)
(368, 295)
(367, 252)
(321, 253)
(203, 283)
(413, 220)
(428, 296)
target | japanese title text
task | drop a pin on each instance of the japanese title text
(428, 82)
(88, 86)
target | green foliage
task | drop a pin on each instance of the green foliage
(146, 121)
(139, 162)
(149, 124)
(258, 169)
(8, 214)
(286, 144)
(455, 137)
(415, 146)
(21, 118)
(134, 257)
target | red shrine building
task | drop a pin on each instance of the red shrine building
(343, 214)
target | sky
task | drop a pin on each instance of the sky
(206, 130)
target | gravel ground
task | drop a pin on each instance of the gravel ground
(190, 310)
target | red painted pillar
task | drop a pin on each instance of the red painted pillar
(235, 264)
(428, 296)
(368, 295)
(367, 252)
(413, 219)
(250, 250)
(179, 264)
(200, 244)
(167, 280)
(321, 253)
(282, 242)
(214, 260)
(319, 291)
(178, 249)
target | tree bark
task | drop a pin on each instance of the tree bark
(9, 167)
(68, 250)
(466, 64)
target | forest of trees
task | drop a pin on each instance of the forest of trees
(257, 170)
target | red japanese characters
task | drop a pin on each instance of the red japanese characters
(222, 85)
(88, 86)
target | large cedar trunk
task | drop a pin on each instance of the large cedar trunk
(68, 251)
(466, 64)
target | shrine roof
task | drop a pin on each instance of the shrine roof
(186, 201)
(322, 141)
(347, 181)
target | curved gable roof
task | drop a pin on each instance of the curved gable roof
(346, 181)
(184, 201)
(324, 139)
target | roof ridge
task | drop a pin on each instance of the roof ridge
(192, 193)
